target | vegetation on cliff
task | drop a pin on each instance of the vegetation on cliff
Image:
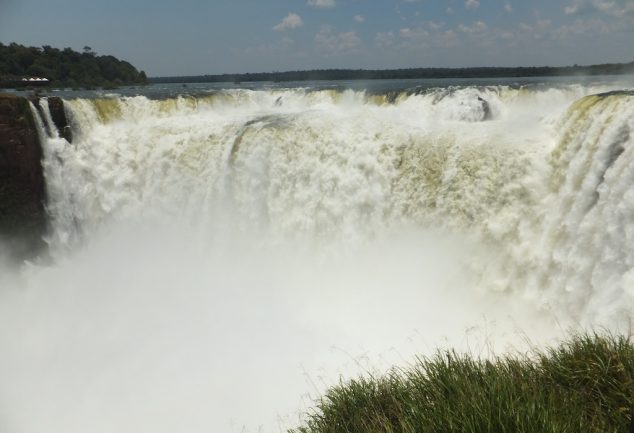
(584, 385)
(65, 68)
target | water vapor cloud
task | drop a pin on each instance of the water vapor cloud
(331, 42)
(321, 4)
(615, 8)
(472, 4)
(291, 21)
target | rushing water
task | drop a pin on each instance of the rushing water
(220, 256)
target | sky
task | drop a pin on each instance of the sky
(194, 37)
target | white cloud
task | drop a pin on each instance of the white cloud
(614, 8)
(384, 39)
(507, 7)
(526, 27)
(417, 33)
(476, 27)
(322, 4)
(291, 21)
(543, 24)
(472, 4)
(585, 27)
(449, 39)
(435, 25)
(359, 18)
(329, 41)
(541, 29)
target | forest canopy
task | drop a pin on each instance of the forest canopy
(65, 67)
(412, 73)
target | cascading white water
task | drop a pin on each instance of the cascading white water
(316, 163)
(216, 258)
(585, 256)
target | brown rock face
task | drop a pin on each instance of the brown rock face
(56, 106)
(22, 191)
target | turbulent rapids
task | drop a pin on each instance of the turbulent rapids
(217, 257)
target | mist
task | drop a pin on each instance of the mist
(142, 330)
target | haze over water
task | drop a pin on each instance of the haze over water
(221, 255)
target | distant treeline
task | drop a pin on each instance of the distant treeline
(416, 73)
(65, 68)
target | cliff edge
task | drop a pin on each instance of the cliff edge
(22, 190)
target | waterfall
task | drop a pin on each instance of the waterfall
(219, 259)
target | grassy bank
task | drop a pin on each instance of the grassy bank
(584, 385)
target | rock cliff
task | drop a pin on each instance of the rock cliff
(22, 191)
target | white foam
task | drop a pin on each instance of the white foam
(219, 261)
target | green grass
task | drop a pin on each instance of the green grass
(584, 385)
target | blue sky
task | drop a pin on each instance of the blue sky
(190, 37)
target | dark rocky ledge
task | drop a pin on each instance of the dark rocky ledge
(616, 93)
(58, 115)
(23, 219)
